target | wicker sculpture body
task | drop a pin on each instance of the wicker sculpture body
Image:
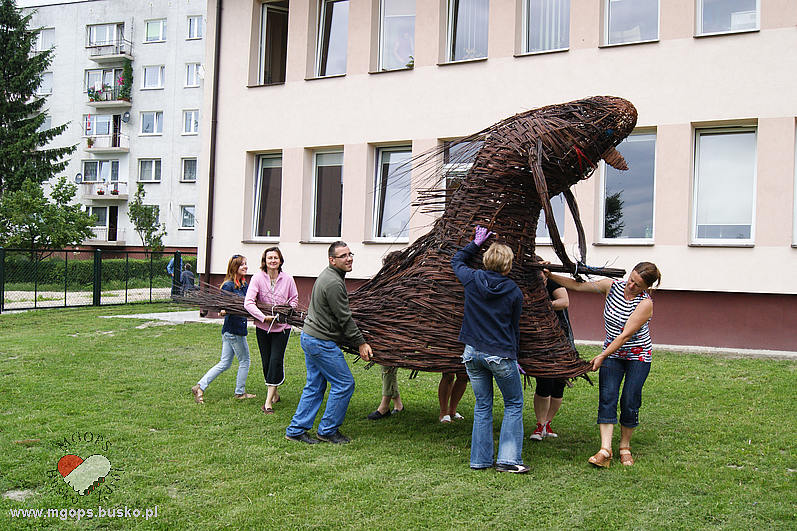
(411, 311)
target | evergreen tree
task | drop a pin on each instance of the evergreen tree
(22, 153)
(613, 217)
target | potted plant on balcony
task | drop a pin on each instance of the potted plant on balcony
(126, 81)
(100, 191)
(115, 189)
(90, 142)
(94, 94)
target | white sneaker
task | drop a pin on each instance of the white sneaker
(446, 419)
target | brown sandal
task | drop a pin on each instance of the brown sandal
(602, 459)
(625, 456)
(197, 392)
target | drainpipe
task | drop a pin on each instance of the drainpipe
(212, 161)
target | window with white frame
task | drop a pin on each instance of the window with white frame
(100, 215)
(100, 171)
(397, 34)
(187, 213)
(101, 78)
(103, 34)
(191, 122)
(273, 43)
(558, 207)
(45, 39)
(628, 21)
(155, 30)
(47, 124)
(152, 123)
(195, 27)
(392, 192)
(153, 77)
(268, 190)
(467, 29)
(46, 86)
(546, 25)
(149, 170)
(97, 124)
(333, 36)
(188, 173)
(724, 186)
(328, 201)
(192, 74)
(458, 159)
(727, 16)
(628, 196)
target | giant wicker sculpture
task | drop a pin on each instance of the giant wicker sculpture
(411, 311)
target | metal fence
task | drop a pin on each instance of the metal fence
(65, 278)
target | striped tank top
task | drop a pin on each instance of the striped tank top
(616, 312)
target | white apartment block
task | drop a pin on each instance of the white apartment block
(150, 137)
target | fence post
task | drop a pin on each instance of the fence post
(2, 278)
(97, 276)
(177, 271)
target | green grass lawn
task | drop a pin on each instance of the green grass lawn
(715, 448)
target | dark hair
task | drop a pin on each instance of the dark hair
(187, 267)
(335, 245)
(269, 250)
(649, 273)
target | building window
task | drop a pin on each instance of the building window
(630, 21)
(458, 158)
(104, 34)
(273, 43)
(727, 16)
(189, 170)
(187, 216)
(100, 214)
(152, 123)
(191, 122)
(102, 80)
(558, 207)
(397, 34)
(149, 170)
(467, 29)
(392, 192)
(328, 194)
(333, 33)
(192, 74)
(724, 193)
(155, 30)
(153, 77)
(45, 39)
(268, 190)
(195, 28)
(46, 86)
(47, 124)
(547, 25)
(100, 171)
(97, 124)
(628, 196)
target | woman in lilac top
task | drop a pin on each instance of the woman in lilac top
(272, 286)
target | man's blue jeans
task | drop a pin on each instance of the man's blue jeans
(611, 374)
(325, 363)
(231, 345)
(482, 368)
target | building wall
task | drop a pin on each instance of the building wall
(679, 83)
(68, 103)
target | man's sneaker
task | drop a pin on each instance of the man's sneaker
(547, 431)
(539, 433)
(302, 438)
(514, 469)
(335, 438)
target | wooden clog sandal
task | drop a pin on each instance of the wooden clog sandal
(625, 456)
(602, 459)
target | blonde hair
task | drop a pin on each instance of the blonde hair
(498, 258)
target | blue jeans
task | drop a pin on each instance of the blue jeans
(231, 344)
(611, 374)
(482, 368)
(325, 363)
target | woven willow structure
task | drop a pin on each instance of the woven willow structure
(411, 311)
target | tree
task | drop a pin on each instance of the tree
(613, 219)
(145, 221)
(29, 220)
(22, 156)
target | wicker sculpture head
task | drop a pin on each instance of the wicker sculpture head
(411, 311)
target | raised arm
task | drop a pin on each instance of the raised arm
(598, 286)
(639, 317)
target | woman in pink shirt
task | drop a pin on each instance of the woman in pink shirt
(273, 287)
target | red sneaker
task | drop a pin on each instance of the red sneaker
(547, 431)
(539, 433)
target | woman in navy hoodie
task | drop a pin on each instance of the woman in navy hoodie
(490, 331)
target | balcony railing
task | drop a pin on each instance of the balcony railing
(108, 94)
(107, 143)
(109, 49)
(108, 235)
(101, 190)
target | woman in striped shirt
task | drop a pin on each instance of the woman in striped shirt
(626, 353)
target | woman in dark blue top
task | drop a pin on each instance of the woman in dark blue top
(233, 336)
(491, 333)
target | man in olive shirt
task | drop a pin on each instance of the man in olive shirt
(328, 324)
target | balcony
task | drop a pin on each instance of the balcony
(116, 143)
(107, 236)
(107, 98)
(101, 191)
(110, 51)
